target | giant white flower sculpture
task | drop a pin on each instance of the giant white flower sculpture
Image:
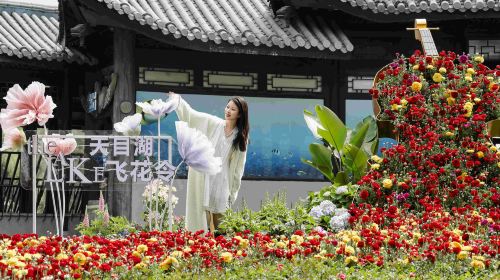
(196, 150)
(157, 107)
(26, 106)
(14, 139)
(130, 125)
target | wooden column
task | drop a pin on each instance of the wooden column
(123, 105)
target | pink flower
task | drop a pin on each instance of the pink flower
(101, 202)
(58, 146)
(26, 106)
(86, 221)
(14, 139)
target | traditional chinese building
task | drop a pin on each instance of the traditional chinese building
(283, 56)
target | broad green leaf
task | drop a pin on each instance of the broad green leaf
(321, 159)
(355, 161)
(365, 132)
(312, 123)
(334, 130)
(340, 179)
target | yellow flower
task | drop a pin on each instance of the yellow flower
(449, 134)
(351, 260)
(239, 253)
(187, 250)
(493, 148)
(462, 255)
(140, 265)
(480, 154)
(244, 243)
(477, 264)
(430, 66)
(498, 164)
(442, 70)
(387, 183)
(80, 258)
(176, 254)
(227, 257)
(450, 100)
(377, 159)
(468, 78)
(11, 253)
(153, 239)
(142, 248)
(415, 67)
(437, 78)
(21, 273)
(471, 71)
(136, 254)
(297, 239)
(375, 166)
(61, 256)
(467, 248)
(479, 58)
(455, 244)
(12, 261)
(281, 244)
(395, 107)
(416, 86)
(404, 102)
(168, 262)
(349, 250)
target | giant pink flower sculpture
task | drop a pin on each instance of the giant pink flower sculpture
(26, 106)
(60, 146)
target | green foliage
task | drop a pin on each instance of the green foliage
(343, 199)
(312, 268)
(99, 225)
(343, 155)
(273, 217)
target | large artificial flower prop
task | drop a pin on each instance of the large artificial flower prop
(26, 106)
(14, 139)
(196, 150)
(58, 146)
(130, 125)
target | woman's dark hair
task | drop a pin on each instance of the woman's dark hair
(242, 124)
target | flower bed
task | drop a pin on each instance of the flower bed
(185, 253)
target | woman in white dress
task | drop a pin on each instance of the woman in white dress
(209, 196)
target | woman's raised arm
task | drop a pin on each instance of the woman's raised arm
(195, 119)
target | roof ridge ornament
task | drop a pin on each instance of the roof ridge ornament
(423, 34)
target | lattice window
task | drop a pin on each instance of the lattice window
(166, 76)
(280, 82)
(359, 84)
(230, 80)
(490, 49)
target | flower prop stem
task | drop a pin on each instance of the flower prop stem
(170, 211)
(157, 189)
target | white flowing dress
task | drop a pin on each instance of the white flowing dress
(196, 181)
(216, 197)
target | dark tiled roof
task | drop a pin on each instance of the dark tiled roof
(29, 32)
(428, 6)
(243, 22)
